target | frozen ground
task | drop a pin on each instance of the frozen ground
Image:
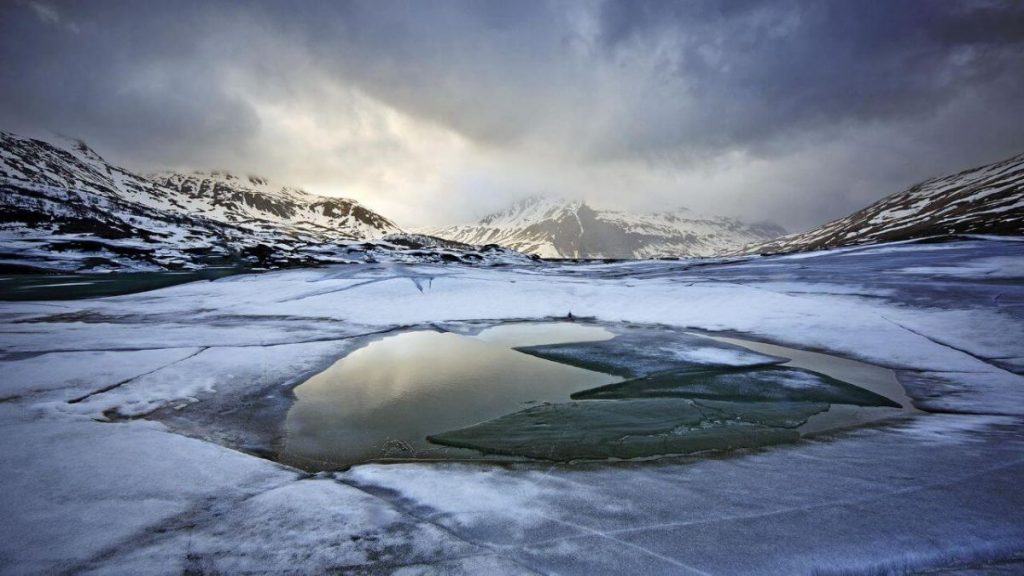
(100, 475)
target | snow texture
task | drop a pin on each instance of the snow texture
(88, 485)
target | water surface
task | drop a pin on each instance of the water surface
(95, 285)
(384, 399)
(501, 393)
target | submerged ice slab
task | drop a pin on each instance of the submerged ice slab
(780, 384)
(632, 428)
(636, 352)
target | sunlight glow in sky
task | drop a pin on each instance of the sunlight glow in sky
(795, 111)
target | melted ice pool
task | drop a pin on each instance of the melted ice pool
(568, 391)
(384, 399)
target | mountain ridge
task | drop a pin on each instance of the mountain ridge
(253, 200)
(560, 228)
(64, 208)
(987, 199)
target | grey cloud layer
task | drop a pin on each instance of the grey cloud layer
(823, 91)
(659, 76)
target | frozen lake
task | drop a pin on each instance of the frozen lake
(407, 396)
(383, 400)
(130, 423)
(79, 286)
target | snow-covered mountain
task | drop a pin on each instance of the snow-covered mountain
(62, 207)
(984, 200)
(253, 202)
(557, 228)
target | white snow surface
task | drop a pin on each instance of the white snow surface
(86, 490)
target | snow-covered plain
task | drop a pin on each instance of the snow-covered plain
(117, 415)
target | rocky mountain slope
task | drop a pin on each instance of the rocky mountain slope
(984, 200)
(62, 207)
(253, 202)
(555, 228)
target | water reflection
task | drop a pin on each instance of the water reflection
(477, 397)
(384, 399)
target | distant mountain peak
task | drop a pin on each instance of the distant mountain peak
(232, 179)
(228, 176)
(84, 150)
(556, 227)
(533, 207)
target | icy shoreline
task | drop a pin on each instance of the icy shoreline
(83, 494)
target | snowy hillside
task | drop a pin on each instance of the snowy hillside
(556, 228)
(253, 202)
(984, 200)
(64, 208)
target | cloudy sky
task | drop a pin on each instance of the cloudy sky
(436, 112)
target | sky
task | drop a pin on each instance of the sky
(438, 112)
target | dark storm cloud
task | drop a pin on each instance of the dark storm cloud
(488, 69)
(679, 102)
(133, 80)
(764, 70)
(696, 77)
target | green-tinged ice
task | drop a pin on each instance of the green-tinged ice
(633, 428)
(775, 384)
